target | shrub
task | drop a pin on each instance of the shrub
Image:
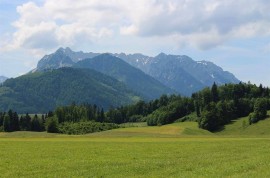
(80, 128)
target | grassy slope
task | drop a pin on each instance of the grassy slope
(241, 127)
(172, 130)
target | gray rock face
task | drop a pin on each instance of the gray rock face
(62, 58)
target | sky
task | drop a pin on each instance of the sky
(233, 34)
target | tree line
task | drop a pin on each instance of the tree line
(214, 106)
(10, 121)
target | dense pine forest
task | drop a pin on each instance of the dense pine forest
(212, 107)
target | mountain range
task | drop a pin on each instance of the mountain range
(108, 80)
(178, 72)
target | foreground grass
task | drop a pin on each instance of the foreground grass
(175, 150)
(134, 157)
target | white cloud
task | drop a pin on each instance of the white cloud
(201, 24)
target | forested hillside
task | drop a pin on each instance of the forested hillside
(138, 81)
(43, 91)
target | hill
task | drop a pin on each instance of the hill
(40, 92)
(134, 78)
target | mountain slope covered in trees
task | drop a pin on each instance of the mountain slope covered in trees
(40, 92)
(134, 78)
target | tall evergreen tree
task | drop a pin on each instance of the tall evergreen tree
(6, 124)
(36, 124)
(15, 122)
(214, 93)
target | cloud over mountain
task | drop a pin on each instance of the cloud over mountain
(201, 24)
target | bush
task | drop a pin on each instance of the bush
(80, 128)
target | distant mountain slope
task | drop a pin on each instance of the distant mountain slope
(41, 92)
(181, 73)
(178, 72)
(134, 78)
(2, 79)
(137, 60)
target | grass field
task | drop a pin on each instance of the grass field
(175, 150)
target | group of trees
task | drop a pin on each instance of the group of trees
(260, 110)
(217, 106)
(10, 121)
(77, 113)
(214, 107)
(78, 119)
(74, 119)
(160, 111)
(172, 111)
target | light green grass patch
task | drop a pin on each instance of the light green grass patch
(134, 157)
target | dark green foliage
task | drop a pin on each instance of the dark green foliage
(6, 124)
(260, 107)
(79, 128)
(25, 122)
(36, 124)
(138, 111)
(78, 113)
(210, 119)
(225, 103)
(171, 112)
(260, 110)
(52, 125)
(15, 122)
(2, 115)
(41, 92)
(214, 93)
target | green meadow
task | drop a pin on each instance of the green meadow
(174, 150)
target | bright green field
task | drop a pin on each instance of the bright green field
(175, 150)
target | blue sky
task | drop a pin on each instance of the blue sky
(233, 34)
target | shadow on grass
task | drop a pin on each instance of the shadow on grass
(223, 127)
